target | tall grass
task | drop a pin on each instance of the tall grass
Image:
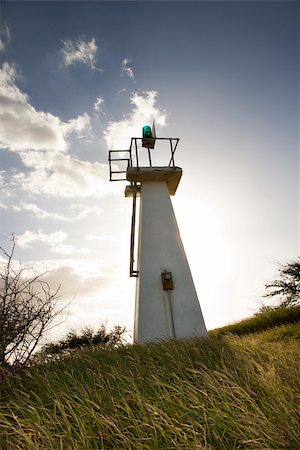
(261, 322)
(216, 393)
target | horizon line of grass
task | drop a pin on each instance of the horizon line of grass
(260, 322)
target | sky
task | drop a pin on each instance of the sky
(79, 78)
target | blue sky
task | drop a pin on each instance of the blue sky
(78, 78)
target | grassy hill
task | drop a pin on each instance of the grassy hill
(225, 392)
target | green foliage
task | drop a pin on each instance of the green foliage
(218, 393)
(261, 321)
(286, 286)
(75, 341)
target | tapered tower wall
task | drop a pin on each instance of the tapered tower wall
(161, 314)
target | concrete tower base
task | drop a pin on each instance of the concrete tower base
(159, 313)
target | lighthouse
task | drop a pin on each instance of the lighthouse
(166, 301)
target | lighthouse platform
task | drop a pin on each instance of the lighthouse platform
(171, 175)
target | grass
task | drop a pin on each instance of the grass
(261, 322)
(224, 392)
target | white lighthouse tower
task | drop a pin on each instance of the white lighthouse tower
(166, 301)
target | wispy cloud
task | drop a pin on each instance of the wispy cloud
(126, 69)
(76, 212)
(98, 104)
(37, 211)
(79, 52)
(36, 130)
(26, 239)
(4, 37)
(118, 134)
(121, 91)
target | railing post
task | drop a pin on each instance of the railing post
(132, 238)
(136, 153)
(130, 153)
(172, 154)
(149, 155)
(109, 162)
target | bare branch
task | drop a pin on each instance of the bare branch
(28, 308)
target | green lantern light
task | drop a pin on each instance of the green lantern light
(147, 133)
(148, 140)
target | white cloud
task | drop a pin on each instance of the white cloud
(4, 37)
(52, 239)
(68, 249)
(55, 240)
(98, 104)
(79, 52)
(80, 210)
(38, 212)
(81, 125)
(118, 134)
(22, 127)
(41, 141)
(126, 69)
(59, 175)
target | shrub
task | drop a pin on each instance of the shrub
(77, 341)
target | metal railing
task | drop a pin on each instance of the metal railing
(111, 159)
(133, 159)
